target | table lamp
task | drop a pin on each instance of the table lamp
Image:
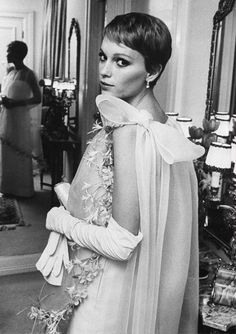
(223, 131)
(218, 160)
(185, 123)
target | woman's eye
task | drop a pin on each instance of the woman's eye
(101, 56)
(122, 62)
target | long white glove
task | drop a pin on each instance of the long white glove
(112, 241)
(54, 258)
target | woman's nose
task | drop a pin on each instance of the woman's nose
(105, 69)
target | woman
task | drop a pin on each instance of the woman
(20, 93)
(131, 216)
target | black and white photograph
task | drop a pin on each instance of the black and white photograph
(117, 166)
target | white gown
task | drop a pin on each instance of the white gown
(16, 173)
(156, 291)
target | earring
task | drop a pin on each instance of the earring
(147, 84)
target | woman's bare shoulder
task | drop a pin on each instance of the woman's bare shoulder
(126, 133)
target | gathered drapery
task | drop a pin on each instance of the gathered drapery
(54, 39)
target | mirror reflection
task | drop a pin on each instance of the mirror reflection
(39, 141)
(220, 205)
(220, 90)
(63, 55)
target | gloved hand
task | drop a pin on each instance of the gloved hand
(113, 241)
(53, 259)
(60, 220)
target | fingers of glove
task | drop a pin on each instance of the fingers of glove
(42, 260)
(55, 280)
(46, 270)
(66, 259)
(53, 241)
(50, 262)
(51, 245)
(57, 265)
(58, 262)
(49, 250)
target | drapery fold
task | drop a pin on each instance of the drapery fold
(160, 283)
(54, 39)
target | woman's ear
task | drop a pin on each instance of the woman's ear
(154, 75)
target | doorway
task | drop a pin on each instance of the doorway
(15, 26)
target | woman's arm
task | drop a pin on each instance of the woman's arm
(119, 239)
(125, 207)
(113, 241)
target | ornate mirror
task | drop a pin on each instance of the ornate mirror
(221, 75)
(73, 70)
(221, 96)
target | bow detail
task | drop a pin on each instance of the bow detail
(171, 143)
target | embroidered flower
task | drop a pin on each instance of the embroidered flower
(77, 295)
(97, 203)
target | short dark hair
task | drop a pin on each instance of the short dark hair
(144, 33)
(19, 48)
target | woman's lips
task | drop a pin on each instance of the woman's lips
(105, 84)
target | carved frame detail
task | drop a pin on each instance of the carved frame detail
(224, 8)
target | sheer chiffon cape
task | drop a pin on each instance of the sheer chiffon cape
(159, 293)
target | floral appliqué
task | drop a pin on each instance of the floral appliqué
(97, 202)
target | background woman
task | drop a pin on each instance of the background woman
(20, 93)
(131, 216)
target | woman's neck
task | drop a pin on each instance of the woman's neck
(149, 102)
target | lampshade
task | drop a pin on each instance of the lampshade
(219, 156)
(172, 115)
(232, 120)
(223, 130)
(185, 123)
(223, 115)
(233, 151)
(48, 82)
(56, 84)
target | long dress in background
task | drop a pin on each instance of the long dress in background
(16, 175)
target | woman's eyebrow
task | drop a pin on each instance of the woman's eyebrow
(118, 54)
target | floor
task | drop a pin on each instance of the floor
(29, 239)
(17, 294)
(18, 291)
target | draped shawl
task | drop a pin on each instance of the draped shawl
(160, 285)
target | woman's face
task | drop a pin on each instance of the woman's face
(122, 71)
